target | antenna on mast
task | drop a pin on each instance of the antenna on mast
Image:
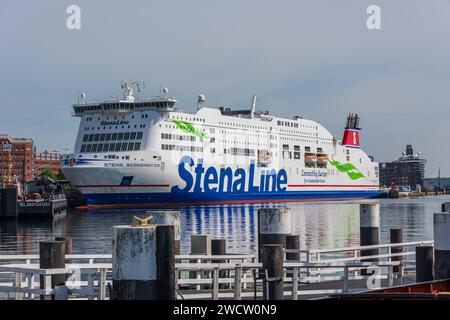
(252, 111)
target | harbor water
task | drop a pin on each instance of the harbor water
(319, 224)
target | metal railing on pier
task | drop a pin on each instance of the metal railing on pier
(318, 273)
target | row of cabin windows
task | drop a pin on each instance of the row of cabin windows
(297, 148)
(109, 147)
(170, 136)
(240, 152)
(181, 148)
(241, 125)
(116, 136)
(189, 119)
(111, 127)
(287, 124)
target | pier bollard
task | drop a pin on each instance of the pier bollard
(441, 222)
(143, 265)
(424, 264)
(169, 218)
(52, 256)
(396, 236)
(272, 261)
(200, 245)
(274, 224)
(369, 223)
(293, 242)
(219, 247)
(8, 203)
(68, 243)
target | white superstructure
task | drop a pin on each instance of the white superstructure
(145, 151)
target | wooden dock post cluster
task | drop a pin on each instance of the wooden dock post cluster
(143, 259)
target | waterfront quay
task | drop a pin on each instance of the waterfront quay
(281, 261)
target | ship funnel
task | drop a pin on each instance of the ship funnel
(351, 132)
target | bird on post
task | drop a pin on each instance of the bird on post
(143, 221)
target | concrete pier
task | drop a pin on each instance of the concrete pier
(167, 217)
(441, 222)
(424, 264)
(274, 224)
(143, 262)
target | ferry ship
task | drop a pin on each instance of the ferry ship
(148, 151)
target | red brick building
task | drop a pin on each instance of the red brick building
(19, 161)
(47, 160)
(16, 159)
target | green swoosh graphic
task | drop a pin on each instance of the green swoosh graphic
(348, 168)
(187, 127)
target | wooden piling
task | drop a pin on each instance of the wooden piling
(274, 224)
(441, 223)
(165, 262)
(424, 264)
(68, 243)
(143, 262)
(396, 236)
(272, 260)
(168, 217)
(219, 247)
(293, 242)
(369, 218)
(445, 207)
(52, 256)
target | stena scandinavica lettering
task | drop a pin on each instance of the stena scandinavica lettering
(209, 180)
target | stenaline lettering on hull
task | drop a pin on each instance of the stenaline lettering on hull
(210, 180)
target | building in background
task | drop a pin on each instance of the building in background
(19, 161)
(407, 171)
(16, 159)
(46, 161)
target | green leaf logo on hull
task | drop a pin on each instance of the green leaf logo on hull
(348, 168)
(189, 128)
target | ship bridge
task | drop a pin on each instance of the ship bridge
(128, 104)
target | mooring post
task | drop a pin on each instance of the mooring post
(68, 243)
(219, 247)
(52, 256)
(369, 223)
(143, 262)
(167, 217)
(272, 260)
(396, 236)
(8, 203)
(274, 224)
(293, 243)
(200, 245)
(424, 264)
(445, 207)
(441, 222)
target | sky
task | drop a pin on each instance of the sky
(312, 58)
